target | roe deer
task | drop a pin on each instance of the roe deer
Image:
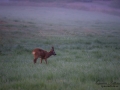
(39, 53)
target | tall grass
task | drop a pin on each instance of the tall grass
(83, 56)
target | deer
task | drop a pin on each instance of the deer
(39, 53)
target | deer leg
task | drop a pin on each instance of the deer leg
(46, 61)
(41, 60)
(35, 59)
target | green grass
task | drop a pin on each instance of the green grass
(86, 53)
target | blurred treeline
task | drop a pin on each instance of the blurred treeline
(113, 3)
(60, 0)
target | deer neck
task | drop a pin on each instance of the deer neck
(49, 54)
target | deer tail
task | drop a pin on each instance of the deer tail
(33, 53)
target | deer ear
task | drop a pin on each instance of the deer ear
(52, 47)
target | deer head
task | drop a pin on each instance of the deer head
(52, 51)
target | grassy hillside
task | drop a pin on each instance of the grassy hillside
(87, 45)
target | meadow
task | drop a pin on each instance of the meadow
(87, 45)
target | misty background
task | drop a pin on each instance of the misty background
(84, 33)
(105, 6)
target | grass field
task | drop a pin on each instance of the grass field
(87, 45)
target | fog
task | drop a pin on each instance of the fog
(104, 6)
(63, 11)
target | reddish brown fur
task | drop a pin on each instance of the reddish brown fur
(39, 53)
